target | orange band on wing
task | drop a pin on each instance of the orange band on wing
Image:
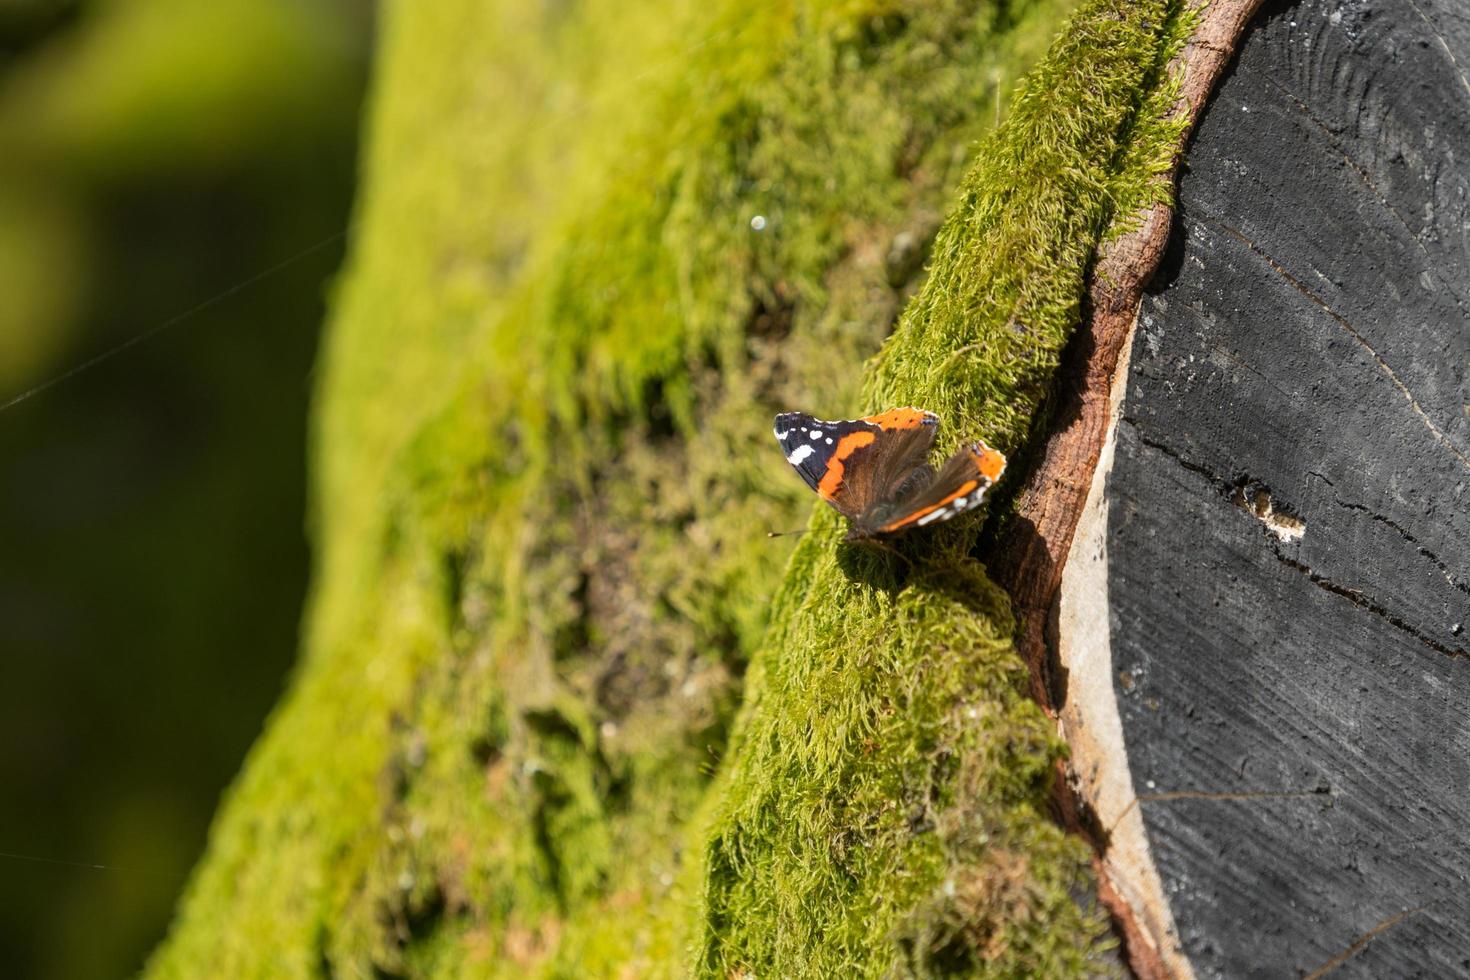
(846, 446)
(965, 488)
(900, 418)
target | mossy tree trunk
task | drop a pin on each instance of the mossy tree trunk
(563, 708)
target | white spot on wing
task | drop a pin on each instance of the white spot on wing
(798, 454)
(816, 434)
(781, 435)
(829, 440)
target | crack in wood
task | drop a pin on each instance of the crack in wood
(1360, 944)
(1220, 482)
(1224, 487)
(1343, 322)
(1255, 499)
(1444, 569)
(1221, 796)
(1362, 601)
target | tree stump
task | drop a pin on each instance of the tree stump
(1264, 609)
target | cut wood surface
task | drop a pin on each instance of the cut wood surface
(1286, 523)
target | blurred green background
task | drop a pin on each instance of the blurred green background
(153, 155)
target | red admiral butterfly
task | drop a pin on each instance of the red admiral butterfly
(876, 471)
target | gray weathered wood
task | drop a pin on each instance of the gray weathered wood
(1309, 338)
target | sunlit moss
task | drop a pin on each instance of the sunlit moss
(884, 809)
(545, 474)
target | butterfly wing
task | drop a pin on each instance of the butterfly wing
(960, 485)
(821, 453)
(898, 466)
(852, 464)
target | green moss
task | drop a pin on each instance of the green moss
(544, 473)
(884, 809)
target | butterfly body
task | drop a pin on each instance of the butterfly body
(875, 470)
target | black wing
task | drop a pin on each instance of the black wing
(810, 444)
(853, 463)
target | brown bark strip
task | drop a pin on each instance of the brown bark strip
(1032, 548)
(1140, 953)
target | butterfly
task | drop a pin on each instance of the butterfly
(875, 470)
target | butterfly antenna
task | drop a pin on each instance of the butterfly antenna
(805, 530)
